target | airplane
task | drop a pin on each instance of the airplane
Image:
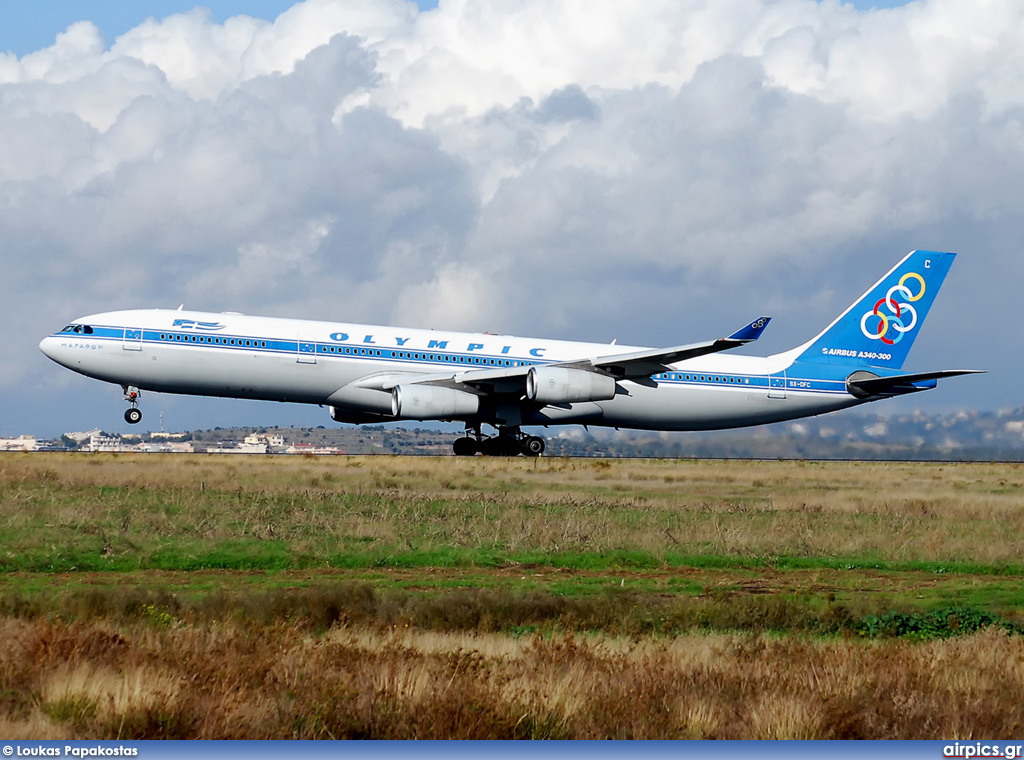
(374, 374)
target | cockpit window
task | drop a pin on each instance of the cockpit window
(80, 329)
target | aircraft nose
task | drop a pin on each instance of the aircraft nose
(45, 346)
(50, 345)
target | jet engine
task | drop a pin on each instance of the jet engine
(361, 400)
(560, 385)
(356, 417)
(432, 402)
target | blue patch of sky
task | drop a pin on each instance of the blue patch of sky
(29, 25)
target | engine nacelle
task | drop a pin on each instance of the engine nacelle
(357, 399)
(560, 385)
(432, 402)
(355, 417)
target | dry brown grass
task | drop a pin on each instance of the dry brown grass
(341, 662)
(90, 681)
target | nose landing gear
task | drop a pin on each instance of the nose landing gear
(509, 442)
(132, 415)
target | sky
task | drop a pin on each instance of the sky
(657, 173)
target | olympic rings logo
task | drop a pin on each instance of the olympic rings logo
(897, 312)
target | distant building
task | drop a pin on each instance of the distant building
(306, 448)
(238, 448)
(166, 447)
(108, 444)
(21, 443)
(81, 438)
(273, 440)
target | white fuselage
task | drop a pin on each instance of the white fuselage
(232, 355)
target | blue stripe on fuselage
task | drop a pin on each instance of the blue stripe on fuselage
(800, 376)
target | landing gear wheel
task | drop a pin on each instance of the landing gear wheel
(464, 447)
(533, 446)
(133, 416)
(509, 442)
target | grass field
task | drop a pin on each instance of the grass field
(176, 596)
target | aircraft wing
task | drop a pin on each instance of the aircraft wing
(480, 381)
(512, 380)
(864, 384)
(653, 361)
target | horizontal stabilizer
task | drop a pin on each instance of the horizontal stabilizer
(863, 384)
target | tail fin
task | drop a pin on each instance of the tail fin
(880, 327)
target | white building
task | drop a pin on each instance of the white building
(165, 447)
(80, 438)
(305, 448)
(21, 443)
(274, 441)
(108, 443)
(241, 448)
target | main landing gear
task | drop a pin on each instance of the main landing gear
(509, 442)
(132, 415)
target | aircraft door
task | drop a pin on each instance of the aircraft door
(132, 339)
(307, 352)
(777, 385)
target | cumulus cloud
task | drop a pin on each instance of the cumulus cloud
(595, 170)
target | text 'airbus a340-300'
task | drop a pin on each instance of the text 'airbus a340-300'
(373, 374)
